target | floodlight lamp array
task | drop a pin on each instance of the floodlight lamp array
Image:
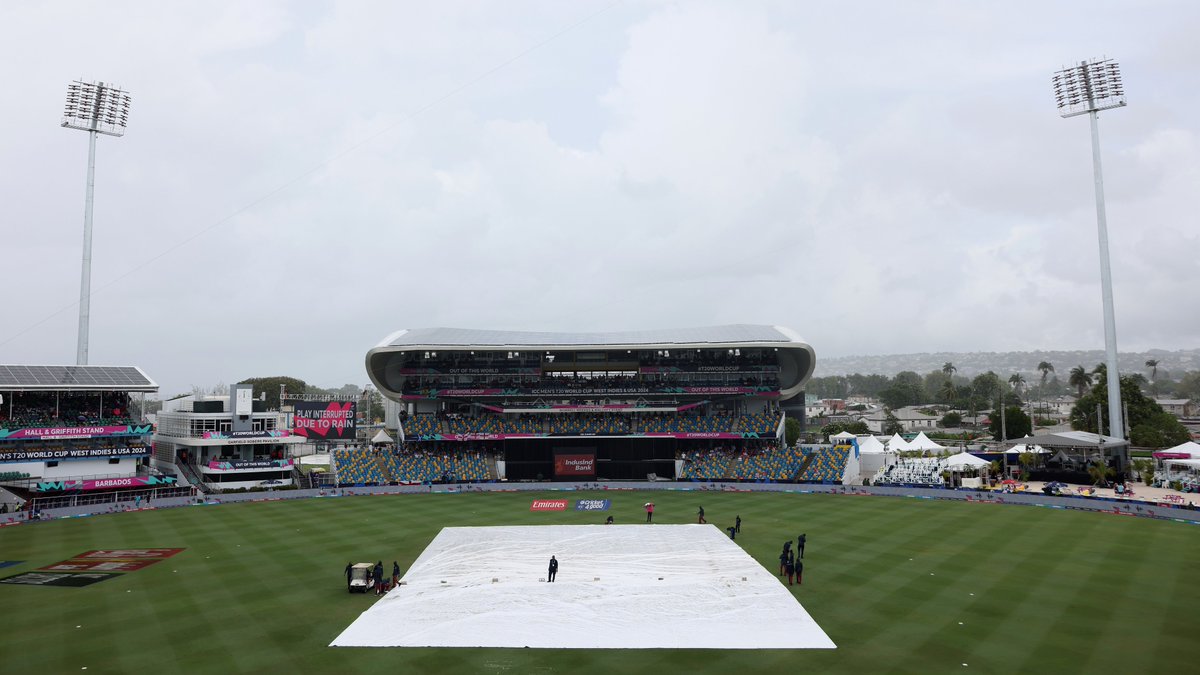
(96, 107)
(1089, 87)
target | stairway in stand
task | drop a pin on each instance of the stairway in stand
(383, 469)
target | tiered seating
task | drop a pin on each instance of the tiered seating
(422, 425)
(675, 424)
(588, 424)
(760, 423)
(705, 464)
(494, 424)
(356, 466)
(437, 465)
(911, 471)
(770, 464)
(828, 465)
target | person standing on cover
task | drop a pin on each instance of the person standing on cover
(649, 512)
(700, 516)
(395, 574)
(553, 570)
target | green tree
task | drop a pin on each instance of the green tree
(951, 419)
(948, 393)
(1158, 428)
(949, 369)
(906, 389)
(1046, 368)
(987, 388)
(1080, 379)
(856, 428)
(1144, 468)
(891, 425)
(1027, 460)
(1100, 472)
(791, 431)
(1189, 385)
(1152, 364)
(270, 385)
(1017, 381)
(868, 385)
(1015, 420)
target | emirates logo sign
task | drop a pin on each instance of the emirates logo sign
(549, 505)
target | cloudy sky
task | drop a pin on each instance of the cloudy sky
(300, 179)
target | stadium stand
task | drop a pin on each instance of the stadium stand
(710, 464)
(355, 466)
(45, 409)
(438, 466)
(759, 423)
(769, 463)
(621, 405)
(420, 425)
(825, 465)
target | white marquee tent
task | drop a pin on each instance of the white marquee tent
(923, 442)
(964, 460)
(869, 445)
(1190, 448)
(896, 443)
(843, 436)
(381, 437)
(873, 454)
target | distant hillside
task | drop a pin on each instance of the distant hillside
(1171, 364)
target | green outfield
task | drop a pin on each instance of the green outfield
(901, 585)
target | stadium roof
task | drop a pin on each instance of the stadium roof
(75, 378)
(796, 358)
(466, 337)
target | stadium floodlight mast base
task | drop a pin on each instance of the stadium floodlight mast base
(1090, 87)
(97, 109)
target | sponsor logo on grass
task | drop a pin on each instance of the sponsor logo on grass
(592, 505)
(129, 553)
(549, 505)
(73, 580)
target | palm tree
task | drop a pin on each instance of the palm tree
(1046, 367)
(1100, 371)
(1080, 379)
(1017, 381)
(1152, 364)
(949, 392)
(949, 369)
(1100, 472)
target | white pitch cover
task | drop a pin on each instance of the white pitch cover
(618, 587)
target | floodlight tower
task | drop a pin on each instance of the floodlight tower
(97, 109)
(1090, 87)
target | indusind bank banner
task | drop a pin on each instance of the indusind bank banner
(574, 463)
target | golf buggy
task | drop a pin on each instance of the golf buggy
(360, 577)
